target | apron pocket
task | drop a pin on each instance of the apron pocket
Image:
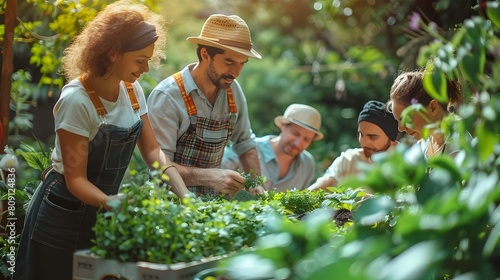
(119, 153)
(58, 223)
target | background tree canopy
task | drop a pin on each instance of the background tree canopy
(333, 55)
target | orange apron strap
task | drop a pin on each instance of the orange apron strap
(230, 101)
(131, 95)
(101, 111)
(188, 100)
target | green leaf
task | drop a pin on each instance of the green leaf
(416, 260)
(446, 163)
(46, 80)
(434, 83)
(374, 210)
(492, 241)
(472, 66)
(458, 36)
(486, 141)
(244, 196)
(36, 160)
(493, 12)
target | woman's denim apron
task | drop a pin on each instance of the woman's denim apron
(202, 145)
(57, 223)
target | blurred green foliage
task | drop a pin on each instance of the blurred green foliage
(173, 230)
(336, 55)
(333, 55)
(428, 219)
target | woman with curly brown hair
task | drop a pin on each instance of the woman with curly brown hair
(100, 117)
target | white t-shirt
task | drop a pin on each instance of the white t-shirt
(347, 164)
(75, 112)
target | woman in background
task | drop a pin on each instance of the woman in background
(408, 89)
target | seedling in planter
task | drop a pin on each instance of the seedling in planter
(299, 202)
(252, 181)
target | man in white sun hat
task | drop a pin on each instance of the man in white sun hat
(284, 160)
(196, 112)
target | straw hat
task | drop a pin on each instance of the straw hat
(303, 115)
(228, 33)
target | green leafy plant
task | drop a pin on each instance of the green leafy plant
(173, 230)
(298, 202)
(37, 160)
(276, 254)
(252, 181)
(428, 219)
(21, 102)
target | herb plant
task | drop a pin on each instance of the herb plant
(298, 202)
(151, 224)
(251, 180)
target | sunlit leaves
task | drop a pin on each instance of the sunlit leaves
(445, 59)
(374, 210)
(472, 64)
(434, 83)
(493, 12)
(172, 231)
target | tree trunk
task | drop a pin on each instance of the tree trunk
(7, 68)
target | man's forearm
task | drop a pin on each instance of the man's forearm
(222, 180)
(250, 161)
(193, 176)
(323, 183)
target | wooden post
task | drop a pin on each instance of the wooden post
(7, 69)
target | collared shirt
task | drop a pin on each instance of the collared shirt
(300, 175)
(347, 164)
(170, 120)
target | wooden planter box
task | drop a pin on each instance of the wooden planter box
(87, 266)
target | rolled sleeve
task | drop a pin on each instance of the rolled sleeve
(242, 140)
(166, 115)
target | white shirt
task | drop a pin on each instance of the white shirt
(75, 112)
(347, 164)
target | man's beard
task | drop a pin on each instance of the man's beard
(289, 149)
(216, 79)
(371, 152)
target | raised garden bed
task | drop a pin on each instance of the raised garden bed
(87, 266)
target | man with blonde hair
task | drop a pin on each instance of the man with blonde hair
(284, 160)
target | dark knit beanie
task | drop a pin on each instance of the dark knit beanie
(141, 36)
(375, 112)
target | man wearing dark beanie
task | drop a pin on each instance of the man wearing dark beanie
(377, 132)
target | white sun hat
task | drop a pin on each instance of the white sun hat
(303, 115)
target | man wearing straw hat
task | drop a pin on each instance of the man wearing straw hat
(284, 160)
(197, 111)
(377, 132)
